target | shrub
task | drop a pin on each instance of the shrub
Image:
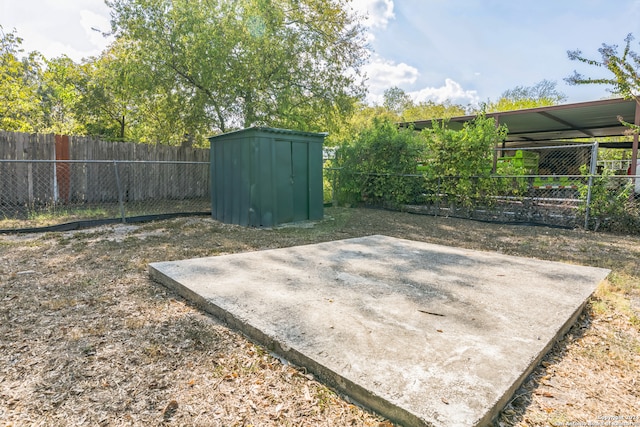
(463, 160)
(610, 209)
(380, 165)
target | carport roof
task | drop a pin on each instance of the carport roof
(594, 119)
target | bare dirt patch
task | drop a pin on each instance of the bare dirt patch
(86, 338)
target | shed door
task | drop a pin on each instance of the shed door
(300, 168)
(291, 173)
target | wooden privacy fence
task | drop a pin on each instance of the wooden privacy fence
(24, 146)
(47, 170)
(79, 181)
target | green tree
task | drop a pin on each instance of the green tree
(625, 81)
(361, 119)
(542, 94)
(249, 62)
(60, 96)
(430, 110)
(109, 88)
(19, 82)
(119, 98)
(625, 68)
(397, 100)
(397, 107)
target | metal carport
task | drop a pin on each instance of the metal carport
(529, 127)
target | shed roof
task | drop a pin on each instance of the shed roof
(264, 129)
(594, 119)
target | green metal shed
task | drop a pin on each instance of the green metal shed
(266, 176)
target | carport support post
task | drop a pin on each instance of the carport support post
(495, 150)
(593, 167)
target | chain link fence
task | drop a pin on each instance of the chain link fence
(559, 185)
(41, 193)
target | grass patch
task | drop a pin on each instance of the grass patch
(50, 215)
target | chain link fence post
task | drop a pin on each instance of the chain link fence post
(119, 189)
(592, 171)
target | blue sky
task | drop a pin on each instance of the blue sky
(473, 50)
(467, 51)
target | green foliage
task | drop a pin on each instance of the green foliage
(360, 120)
(542, 94)
(374, 165)
(430, 110)
(624, 67)
(287, 63)
(396, 100)
(544, 90)
(613, 153)
(397, 107)
(610, 208)
(61, 99)
(462, 161)
(182, 70)
(19, 78)
(508, 181)
(381, 165)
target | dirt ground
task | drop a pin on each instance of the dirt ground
(86, 338)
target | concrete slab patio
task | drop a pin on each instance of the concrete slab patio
(423, 334)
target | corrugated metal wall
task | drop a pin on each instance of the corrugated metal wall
(263, 177)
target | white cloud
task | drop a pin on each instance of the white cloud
(451, 91)
(377, 13)
(90, 20)
(383, 74)
(59, 26)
